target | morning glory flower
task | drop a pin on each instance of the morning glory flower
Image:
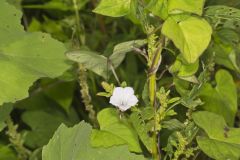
(123, 98)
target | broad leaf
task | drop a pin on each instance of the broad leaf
(192, 6)
(100, 64)
(62, 93)
(42, 126)
(11, 28)
(190, 34)
(224, 16)
(119, 129)
(219, 150)
(116, 8)
(223, 98)
(182, 69)
(5, 111)
(159, 8)
(7, 153)
(25, 57)
(121, 49)
(91, 60)
(223, 142)
(105, 139)
(225, 48)
(73, 143)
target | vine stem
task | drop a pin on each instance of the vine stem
(155, 62)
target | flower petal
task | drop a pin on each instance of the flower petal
(128, 91)
(132, 100)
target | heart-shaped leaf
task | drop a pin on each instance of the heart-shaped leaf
(191, 35)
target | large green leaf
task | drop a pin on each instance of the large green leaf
(119, 129)
(11, 28)
(116, 8)
(25, 57)
(223, 98)
(100, 64)
(192, 6)
(91, 60)
(73, 143)
(190, 34)
(223, 142)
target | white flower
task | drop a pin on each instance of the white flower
(123, 98)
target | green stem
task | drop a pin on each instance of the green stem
(80, 28)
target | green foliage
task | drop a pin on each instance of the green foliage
(115, 8)
(191, 35)
(118, 129)
(100, 64)
(74, 143)
(223, 98)
(25, 57)
(222, 141)
(7, 153)
(176, 46)
(192, 6)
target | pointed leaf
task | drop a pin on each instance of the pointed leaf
(191, 35)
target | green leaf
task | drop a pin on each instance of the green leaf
(159, 8)
(184, 69)
(116, 8)
(121, 49)
(119, 129)
(25, 57)
(224, 16)
(2, 126)
(192, 6)
(73, 143)
(191, 35)
(100, 64)
(223, 142)
(225, 48)
(219, 150)
(62, 93)
(91, 60)
(11, 28)
(5, 111)
(7, 153)
(223, 98)
(42, 125)
(105, 139)
(143, 127)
